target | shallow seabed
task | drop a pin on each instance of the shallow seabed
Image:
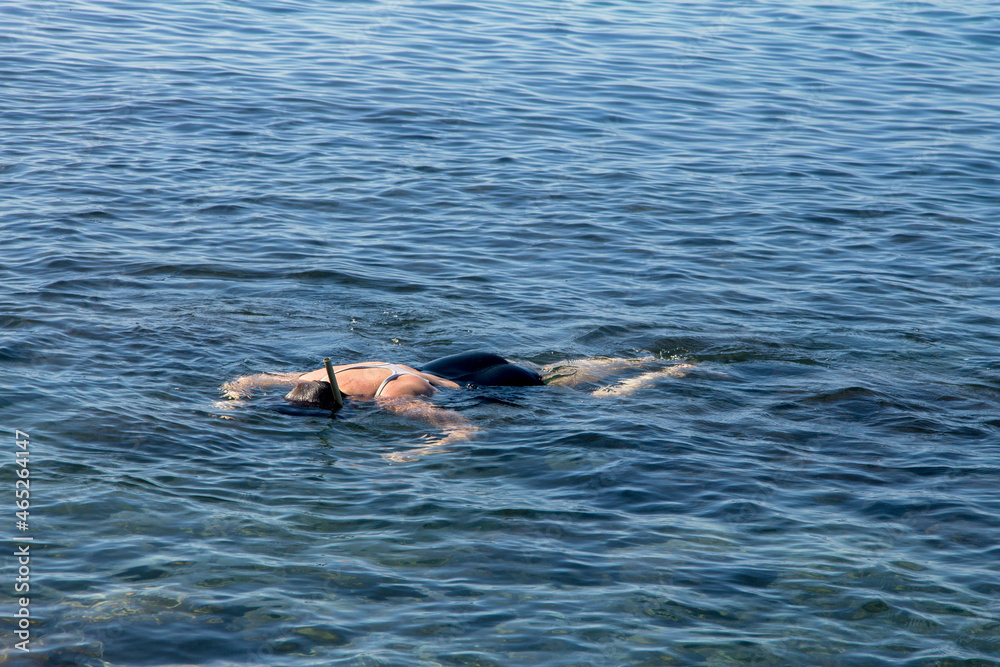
(800, 199)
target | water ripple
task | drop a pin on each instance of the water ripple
(799, 199)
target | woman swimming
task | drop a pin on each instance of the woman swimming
(379, 379)
(399, 387)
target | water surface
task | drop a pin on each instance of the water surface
(799, 198)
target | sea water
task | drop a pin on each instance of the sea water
(799, 199)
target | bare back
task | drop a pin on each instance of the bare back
(377, 379)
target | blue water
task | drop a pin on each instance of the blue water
(800, 199)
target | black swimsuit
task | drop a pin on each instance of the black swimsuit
(483, 369)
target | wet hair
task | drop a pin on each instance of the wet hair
(311, 395)
(483, 369)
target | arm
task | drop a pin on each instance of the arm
(243, 387)
(454, 427)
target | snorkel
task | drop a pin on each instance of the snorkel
(338, 398)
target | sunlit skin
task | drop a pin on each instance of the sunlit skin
(363, 382)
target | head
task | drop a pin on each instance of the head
(312, 395)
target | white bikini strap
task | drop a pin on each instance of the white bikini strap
(378, 392)
(363, 367)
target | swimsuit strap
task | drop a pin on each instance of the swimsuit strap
(394, 372)
(362, 367)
